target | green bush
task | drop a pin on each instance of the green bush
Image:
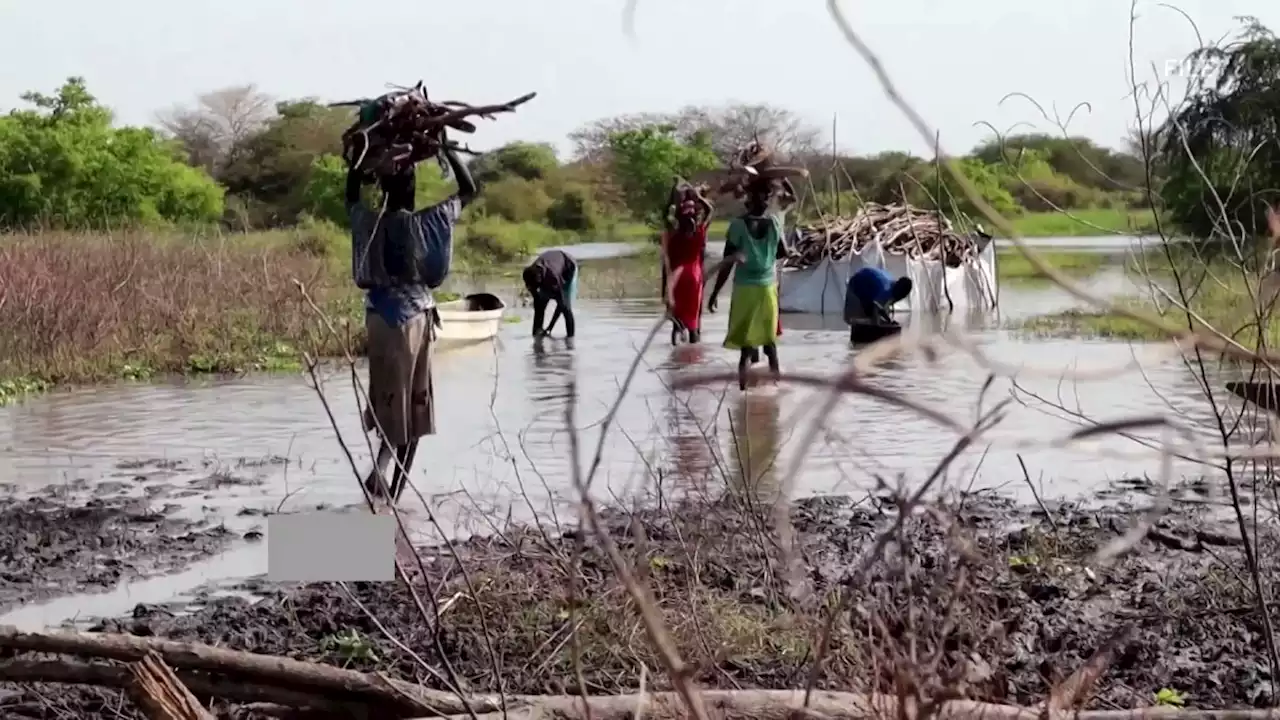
(516, 199)
(321, 238)
(531, 161)
(63, 163)
(574, 209)
(494, 239)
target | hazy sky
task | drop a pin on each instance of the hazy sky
(954, 59)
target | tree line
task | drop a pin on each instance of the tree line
(239, 158)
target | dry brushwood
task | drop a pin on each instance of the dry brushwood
(158, 692)
(899, 229)
(756, 163)
(402, 128)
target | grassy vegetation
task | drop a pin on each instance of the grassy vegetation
(1013, 265)
(1084, 223)
(84, 308)
(1218, 293)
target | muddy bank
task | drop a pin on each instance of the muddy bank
(998, 599)
(58, 544)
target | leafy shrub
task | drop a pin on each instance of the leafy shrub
(516, 199)
(531, 161)
(574, 209)
(63, 163)
(320, 238)
(493, 239)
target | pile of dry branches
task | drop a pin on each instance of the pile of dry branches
(754, 163)
(401, 128)
(899, 229)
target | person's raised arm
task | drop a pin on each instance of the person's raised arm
(789, 195)
(354, 183)
(707, 207)
(467, 188)
(673, 204)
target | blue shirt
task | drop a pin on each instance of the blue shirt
(871, 285)
(436, 224)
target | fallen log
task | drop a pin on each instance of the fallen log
(788, 704)
(160, 695)
(721, 704)
(397, 696)
(76, 672)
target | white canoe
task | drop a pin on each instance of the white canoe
(474, 318)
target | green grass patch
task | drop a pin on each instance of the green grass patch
(1084, 223)
(1013, 265)
(1088, 324)
(1222, 300)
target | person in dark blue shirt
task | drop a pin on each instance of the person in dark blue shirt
(552, 276)
(389, 248)
(871, 293)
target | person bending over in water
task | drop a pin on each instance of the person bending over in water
(752, 248)
(871, 295)
(553, 275)
(684, 245)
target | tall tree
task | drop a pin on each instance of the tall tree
(646, 159)
(726, 127)
(62, 163)
(219, 122)
(1219, 149)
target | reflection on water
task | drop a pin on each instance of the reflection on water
(693, 459)
(756, 441)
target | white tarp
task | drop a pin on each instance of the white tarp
(935, 287)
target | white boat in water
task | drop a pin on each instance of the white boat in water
(474, 318)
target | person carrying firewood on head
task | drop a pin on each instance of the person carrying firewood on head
(753, 246)
(684, 246)
(399, 255)
(395, 253)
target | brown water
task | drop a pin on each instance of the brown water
(503, 447)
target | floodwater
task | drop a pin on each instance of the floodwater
(504, 447)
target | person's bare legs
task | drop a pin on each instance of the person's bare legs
(744, 362)
(771, 352)
(375, 483)
(405, 457)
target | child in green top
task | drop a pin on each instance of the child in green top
(752, 248)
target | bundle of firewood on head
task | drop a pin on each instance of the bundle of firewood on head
(899, 229)
(394, 132)
(753, 167)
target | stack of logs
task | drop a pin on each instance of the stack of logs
(899, 229)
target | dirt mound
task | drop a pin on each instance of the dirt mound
(49, 547)
(998, 601)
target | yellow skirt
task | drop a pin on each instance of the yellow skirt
(753, 317)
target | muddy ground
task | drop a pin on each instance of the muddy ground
(1002, 600)
(50, 547)
(81, 537)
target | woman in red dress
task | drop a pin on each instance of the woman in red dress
(684, 245)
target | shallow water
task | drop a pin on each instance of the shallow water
(504, 448)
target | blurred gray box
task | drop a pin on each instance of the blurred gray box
(331, 547)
